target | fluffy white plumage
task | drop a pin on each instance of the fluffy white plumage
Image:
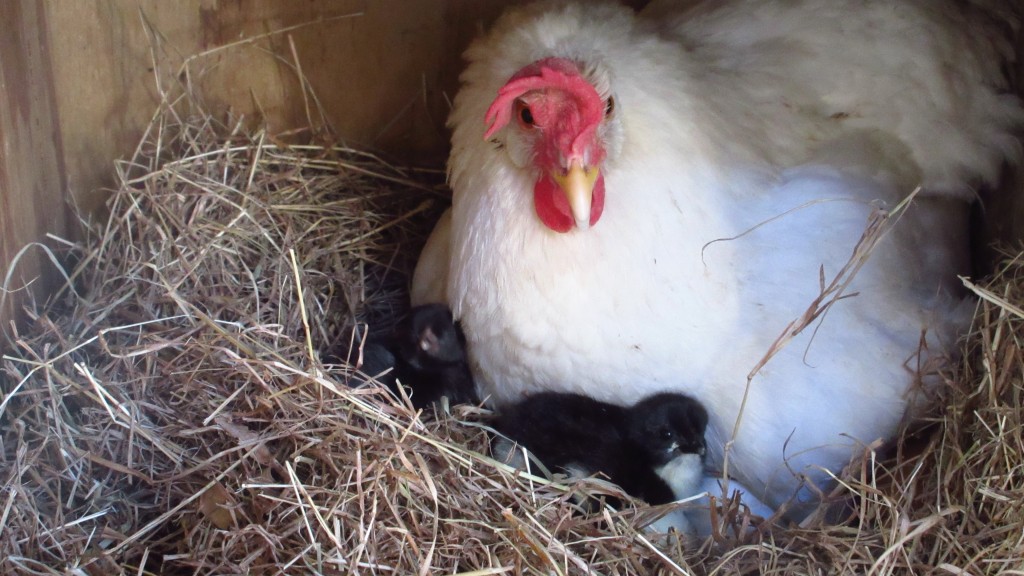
(798, 116)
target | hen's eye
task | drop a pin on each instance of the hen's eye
(524, 114)
(609, 106)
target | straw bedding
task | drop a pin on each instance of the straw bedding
(168, 412)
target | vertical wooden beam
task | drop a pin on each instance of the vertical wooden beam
(31, 166)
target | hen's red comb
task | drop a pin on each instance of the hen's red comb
(556, 73)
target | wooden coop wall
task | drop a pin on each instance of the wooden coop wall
(80, 81)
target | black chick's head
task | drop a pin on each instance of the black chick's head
(668, 425)
(429, 338)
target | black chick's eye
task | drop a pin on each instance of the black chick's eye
(609, 107)
(666, 434)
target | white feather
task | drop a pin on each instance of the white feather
(683, 474)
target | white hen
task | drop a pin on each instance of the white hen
(597, 155)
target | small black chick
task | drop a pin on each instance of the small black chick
(427, 352)
(669, 429)
(653, 450)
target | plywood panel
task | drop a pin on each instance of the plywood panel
(31, 169)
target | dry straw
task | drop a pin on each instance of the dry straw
(170, 414)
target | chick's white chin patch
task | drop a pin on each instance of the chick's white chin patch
(683, 475)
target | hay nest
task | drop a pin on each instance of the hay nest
(168, 411)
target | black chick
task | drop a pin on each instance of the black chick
(427, 352)
(669, 429)
(646, 449)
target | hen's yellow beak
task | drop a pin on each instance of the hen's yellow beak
(578, 185)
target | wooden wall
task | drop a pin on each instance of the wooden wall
(79, 82)
(32, 176)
